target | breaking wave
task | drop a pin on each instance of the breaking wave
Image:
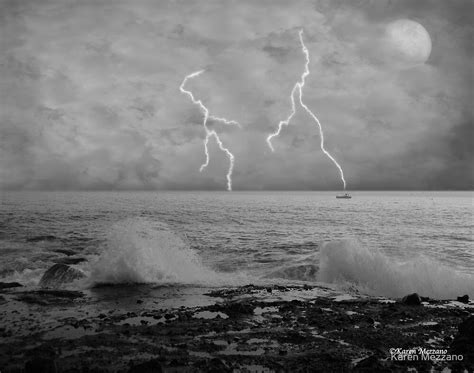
(346, 262)
(143, 251)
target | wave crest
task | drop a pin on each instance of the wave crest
(141, 251)
(346, 261)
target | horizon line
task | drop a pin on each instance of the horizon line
(235, 191)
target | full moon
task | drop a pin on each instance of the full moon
(409, 40)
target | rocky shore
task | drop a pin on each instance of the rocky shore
(243, 329)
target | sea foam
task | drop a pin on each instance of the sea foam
(144, 251)
(347, 262)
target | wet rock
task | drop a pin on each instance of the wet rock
(215, 365)
(448, 339)
(466, 328)
(292, 336)
(229, 293)
(464, 299)
(60, 274)
(71, 294)
(370, 320)
(152, 366)
(313, 335)
(40, 365)
(234, 308)
(8, 285)
(371, 364)
(463, 342)
(49, 297)
(412, 300)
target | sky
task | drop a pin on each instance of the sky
(90, 98)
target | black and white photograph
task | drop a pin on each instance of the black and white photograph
(242, 186)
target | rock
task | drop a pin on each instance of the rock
(40, 365)
(371, 364)
(464, 299)
(216, 365)
(49, 297)
(58, 275)
(8, 285)
(412, 300)
(235, 308)
(466, 328)
(152, 366)
(463, 343)
(61, 293)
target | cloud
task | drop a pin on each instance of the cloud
(91, 98)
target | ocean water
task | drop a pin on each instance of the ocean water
(380, 243)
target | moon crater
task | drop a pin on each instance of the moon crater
(408, 41)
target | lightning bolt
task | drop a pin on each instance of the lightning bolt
(211, 133)
(298, 87)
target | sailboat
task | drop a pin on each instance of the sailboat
(345, 195)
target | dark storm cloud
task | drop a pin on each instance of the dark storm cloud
(90, 96)
(457, 170)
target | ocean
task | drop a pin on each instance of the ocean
(377, 243)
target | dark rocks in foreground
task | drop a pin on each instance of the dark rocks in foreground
(463, 343)
(40, 365)
(234, 308)
(151, 366)
(242, 332)
(48, 297)
(412, 300)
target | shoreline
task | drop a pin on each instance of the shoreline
(234, 329)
